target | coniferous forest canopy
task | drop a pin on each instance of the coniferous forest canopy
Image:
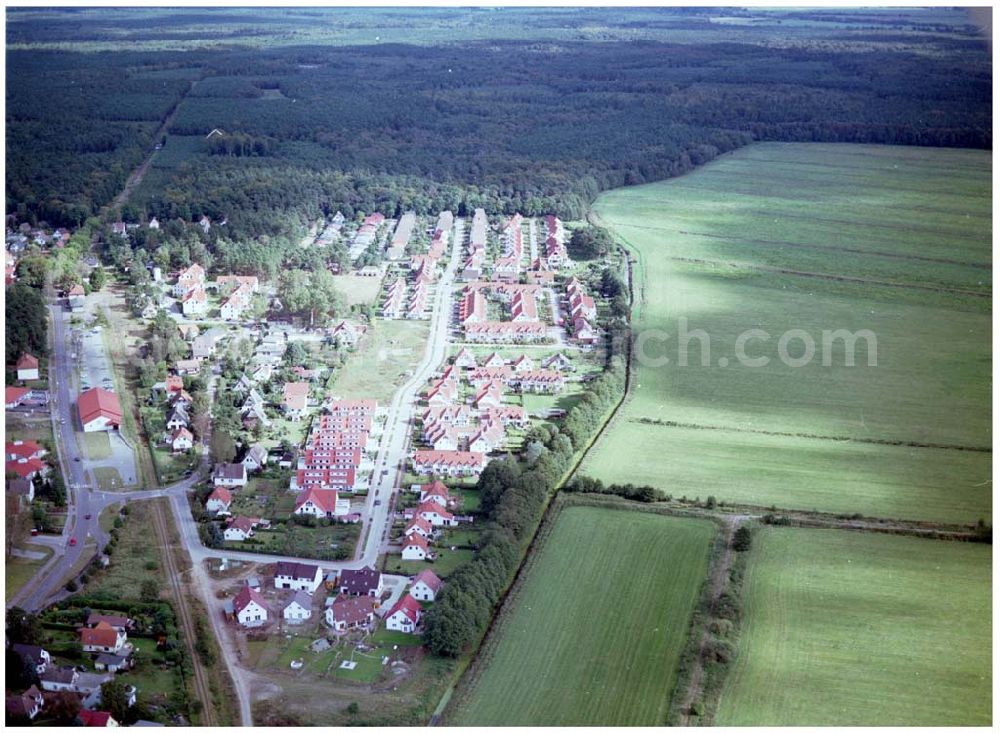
(538, 118)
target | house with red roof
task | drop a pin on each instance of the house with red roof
(194, 302)
(16, 396)
(181, 439)
(434, 513)
(75, 297)
(250, 608)
(490, 395)
(97, 719)
(494, 360)
(27, 367)
(321, 503)
(239, 529)
(351, 612)
(465, 359)
(295, 399)
(448, 463)
(415, 548)
(103, 637)
(437, 492)
(405, 615)
(426, 586)
(219, 500)
(419, 526)
(99, 410)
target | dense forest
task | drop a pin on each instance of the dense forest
(504, 124)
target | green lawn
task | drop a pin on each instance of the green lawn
(19, 570)
(594, 634)
(447, 561)
(301, 541)
(107, 478)
(388, 351)
(845, 629)
(912, 224)
(135, 558)
(97, 446)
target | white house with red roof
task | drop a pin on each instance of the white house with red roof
(16, 396)
(426, 586)
(437, 492)
(490, 395)
(321, 503)
(448, 463)
(419, 526)
(465, 359)
(99, 410)
(239, 529)
(181, 440)
(405, 615)
(250, 608)
(188, 279)
(27, 367)
(194, 302)
(295, 399)
(434, 513)
(219, 500)
(415, 548)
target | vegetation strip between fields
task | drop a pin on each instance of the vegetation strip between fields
(810, 436)
(825, 276)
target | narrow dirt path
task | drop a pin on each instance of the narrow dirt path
(719, 579)
(139, 173)
(202, 685)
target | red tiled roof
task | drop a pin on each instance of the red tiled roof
(27, 361)
(15, 394)
(23, 449)
(243, 598)
(101, 635)
(97, 402)
(222, 494)
(409, 606)
(428, 578)
(94, 718)
(325, 499)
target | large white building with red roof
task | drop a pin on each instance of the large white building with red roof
(99, 410)
(321, 503)
(448, 463)
(405, 615)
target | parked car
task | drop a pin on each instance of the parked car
(72, 541)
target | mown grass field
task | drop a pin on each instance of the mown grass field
(594, 633)
(762, 239)
(843, 628)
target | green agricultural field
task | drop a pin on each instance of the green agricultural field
(813, 237)
(843, 628)
(594, 634)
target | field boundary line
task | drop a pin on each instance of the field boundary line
(750, 267)
(811, 436)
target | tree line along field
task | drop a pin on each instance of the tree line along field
(842, 628)
(813, 237)
(595, 631)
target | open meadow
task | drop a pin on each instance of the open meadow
(813, 237)
(595, 630)
(843, 628)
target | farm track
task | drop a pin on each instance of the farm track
(829, 276)
(184, 613)
(817, 247)
(719, 577)
(811, 436)
(135, 178)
